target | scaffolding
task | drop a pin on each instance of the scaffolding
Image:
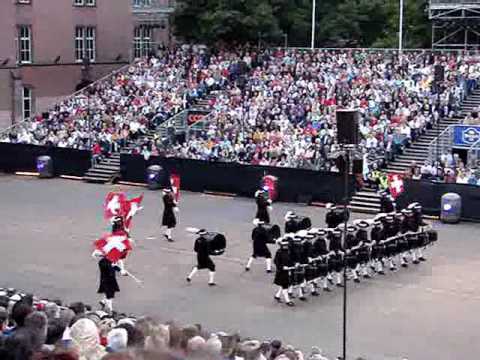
(455, 24)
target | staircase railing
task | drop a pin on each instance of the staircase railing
(473, 155)
(441, 144)
(201, 125)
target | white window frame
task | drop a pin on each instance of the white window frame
(26, 2)
(25, 44)
(29, 100)
(79, 43)
(142, 41)
(85, 43)
(91, 43)
(142, 3)
(90, 3)
(78, 2)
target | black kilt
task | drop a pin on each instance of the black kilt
(363, 255)
(261, 250)
(322, 268)
(298, 276)
(263, 215)
(378, 251)
(403, 244)
(205, 262)
(351, 260)
(335, 263)
(168, 219)
(391, 248)
(108, 279)
(311, 272)
(282, 278)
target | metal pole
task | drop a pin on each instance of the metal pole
(314, 11)
(345, 209)
(400, 33)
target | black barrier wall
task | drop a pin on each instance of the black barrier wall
(295, 185)
(429, 194)
(23, 157)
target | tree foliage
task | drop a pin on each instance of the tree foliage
(362, 23)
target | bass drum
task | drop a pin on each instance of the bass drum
(273, 233)
(217, 243)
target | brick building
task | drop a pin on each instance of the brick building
(49, 47)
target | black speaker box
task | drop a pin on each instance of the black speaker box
(347, 127)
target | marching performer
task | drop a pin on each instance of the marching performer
(332, 218)
(111, 250)
(169, 220)
(283, 266)
(352, 245)
(264, 205)
(291, 225)
(320, 257)
(365, 247)
(204, 261)
(299, 262)
(336, 254)
(391, 231)
(387, 204)
(378, 248)
(260, 238)
(419, 224)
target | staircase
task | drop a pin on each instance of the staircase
(368, 201)
(105, 171)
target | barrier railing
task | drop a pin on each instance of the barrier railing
(441, 144)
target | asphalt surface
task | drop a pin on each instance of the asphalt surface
(429, 311)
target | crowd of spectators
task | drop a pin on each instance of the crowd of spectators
(272, 107)
(34, 329)
(122, 107)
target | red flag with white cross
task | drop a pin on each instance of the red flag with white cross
(395, 184)
(114, 246)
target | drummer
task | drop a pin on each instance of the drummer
(260, 238)
(204, 261)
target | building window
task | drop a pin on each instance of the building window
(85, 43)
(142, 41)
(25, 44)
(139, 3)
(26, 103)
(24, 1)
(84, 2)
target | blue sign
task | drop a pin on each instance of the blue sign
(465, 135)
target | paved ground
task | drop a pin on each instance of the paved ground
(425, 312)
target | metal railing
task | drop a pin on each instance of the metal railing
(442, 144)
(201, 126)
(473, 155)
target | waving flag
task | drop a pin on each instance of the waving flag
(395, 184)
(132, 206)
(114, 246)
(175, 182)
(114, 205)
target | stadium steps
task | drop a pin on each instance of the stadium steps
(366, 201)
(105, 171)
(418, 151)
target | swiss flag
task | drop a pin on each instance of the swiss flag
(175, 182)
(114, 246)
(114, 205)
(395, 183)
(131, 208)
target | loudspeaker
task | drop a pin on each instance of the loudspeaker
(45, 167)
(157, 177)
(357, 166)
(439, 73)
(347, 127)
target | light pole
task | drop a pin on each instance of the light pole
(400, 33)
(314, 11)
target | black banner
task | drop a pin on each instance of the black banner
(294, 185)
(429, 194)
(23, 157)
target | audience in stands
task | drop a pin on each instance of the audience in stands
(33, 329)
(272, 107)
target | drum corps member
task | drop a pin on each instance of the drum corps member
(169, 220)
(264, 205)
(204, 261)
(283, 266)
(260, 238)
